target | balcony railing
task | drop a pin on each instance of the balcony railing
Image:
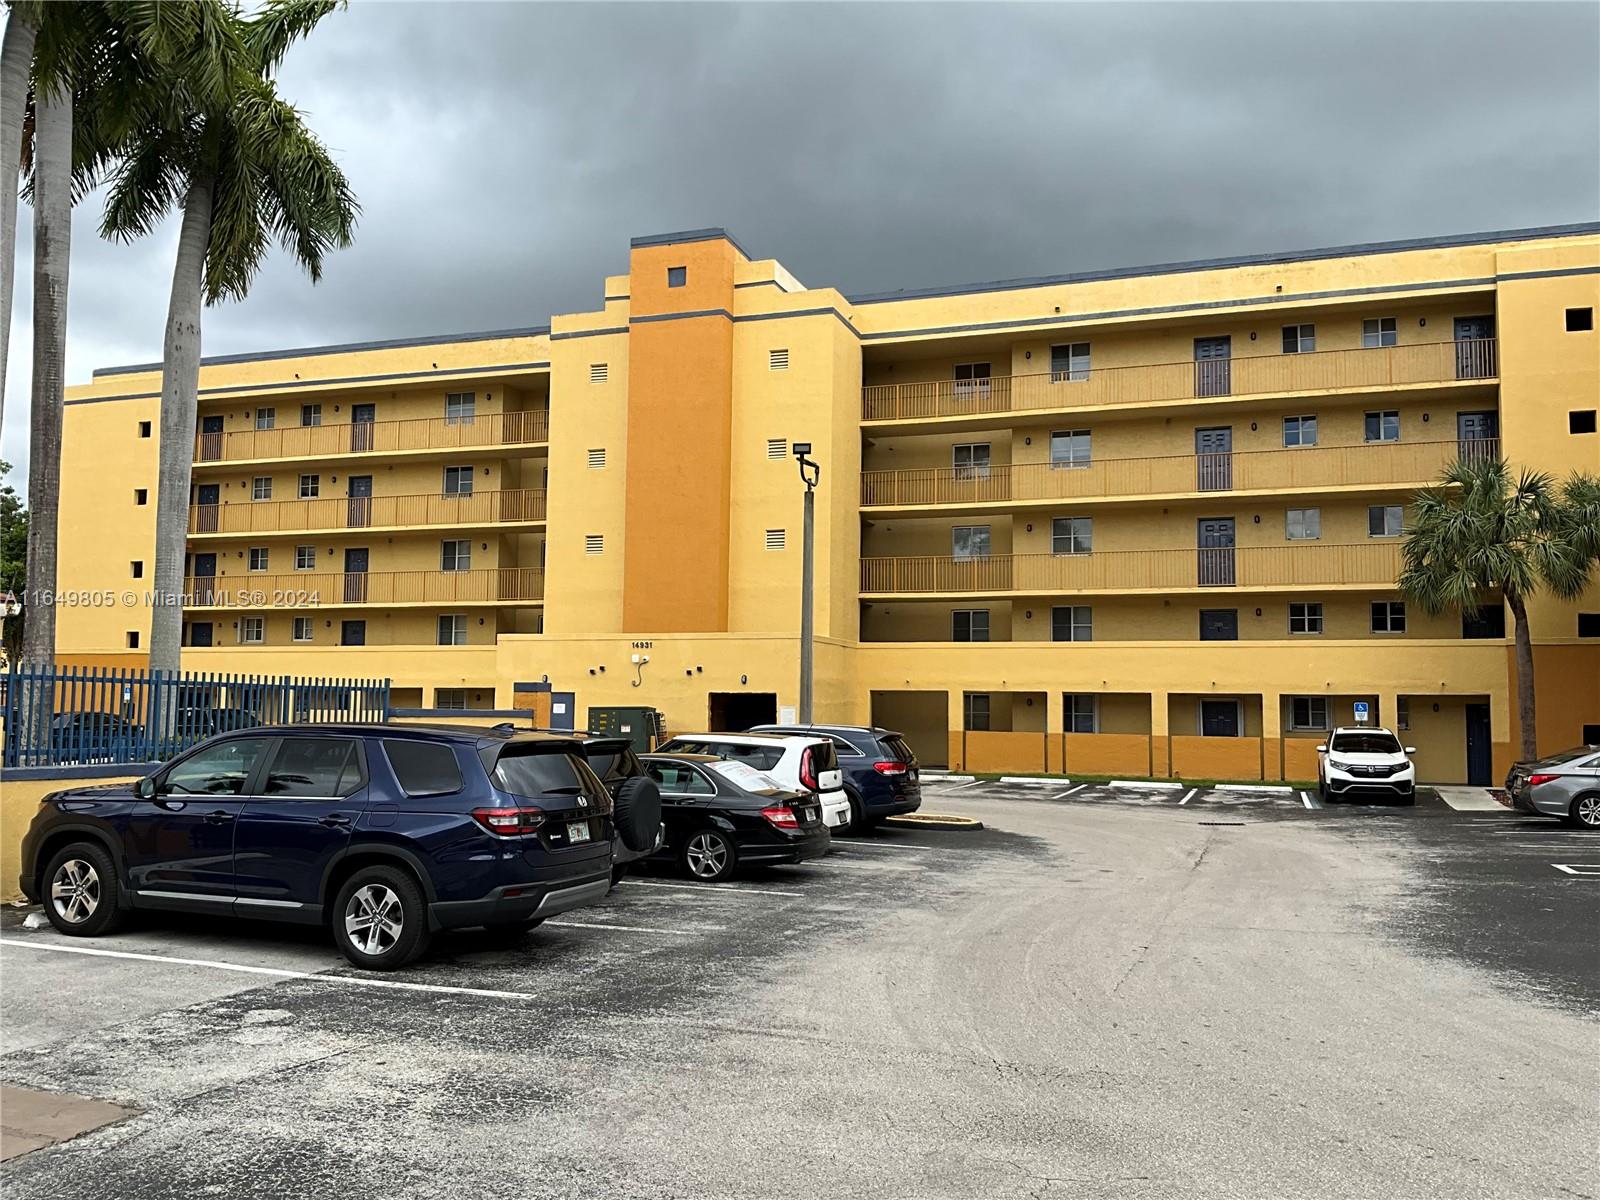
(1253, 375)
(361, 512)
(1374, 563)
(323, 589)
(1310, 467)
(375, 437)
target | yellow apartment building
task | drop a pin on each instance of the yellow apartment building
(1140, 521)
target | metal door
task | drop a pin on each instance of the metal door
(1213, 457)
(207, 497)
(1475, 357)
(210, 438)
(1213, 374)
(1480, 769)
(204, 571)
(200, 633)
(1219, 718)
(1219, 624)
(562, 705)
(355, 576)
(362, 417)
(359, 503)
(352, 633)
(1216, 551)
(1477, 435)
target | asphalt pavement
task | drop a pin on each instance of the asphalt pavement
(1119, 992)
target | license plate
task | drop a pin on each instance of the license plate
(577, 831)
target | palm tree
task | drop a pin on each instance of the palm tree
(1483, 531)
(243, 169)
(16, 63)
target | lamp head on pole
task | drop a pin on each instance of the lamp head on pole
(810, 472)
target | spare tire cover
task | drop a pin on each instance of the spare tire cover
(636, 811)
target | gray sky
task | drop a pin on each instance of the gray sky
(505, 153)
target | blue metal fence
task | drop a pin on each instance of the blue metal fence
(56, 716)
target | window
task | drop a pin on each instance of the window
(314, 768)
(303, 627)
(1300, 431)
(1069, 363)
(136, 568)
(310, 487)
(775, 539)
(969, 625)
(1069, 448)
(1219, 624)
(972, 379)
(310, 414)
(677, 276)
(352, 633)
(1486, 622)
(261, 487)
(778, 360)
(969, 541)
(1580, 320)
(1305, 618)
(458, 481)
(423, 768)
(266, 418)
(144, 429)
(1379, 331)
(305, 558)
(1072, 535)
(597, 458)
(200, 633)
(1072, 623)
(679, 779)
(1589, 625)
(1303, 524)
(455, 554)
(1402, 712)
(258, 558)
(971, 460)
(460, 408)
(218, 770)
(1383, 426)
(598, 372)
(1385, 520)
(452, 629)
(133, 639)
(253, 630)
(594, 543)
(1388, 616)
(454, 699)
(975, 710)
(1299, 339)
(1082, 712)
(1308, 712)
(141, 495)
(777, 448)
(1581, 421)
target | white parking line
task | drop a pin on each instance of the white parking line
(1188, 796)
(276, 972)
(703, 888)
(1587, 870)
(1069, 791)
(929, 777)
(844, 846)
(972, 783)
(634, 928)
(1252, 787)
(1305, 798)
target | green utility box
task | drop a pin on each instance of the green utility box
(643, 727)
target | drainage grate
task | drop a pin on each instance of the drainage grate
(1223, 822)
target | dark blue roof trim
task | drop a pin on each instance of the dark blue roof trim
(803, 312)
(1248, 260)
(763, 283)
(219, 360)
(681, 316)
(288, 385)
(1555, 274)
(583, 333)
(712, 234)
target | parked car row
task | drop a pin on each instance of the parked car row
(390, 833)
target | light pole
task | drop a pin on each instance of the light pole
(810, 473)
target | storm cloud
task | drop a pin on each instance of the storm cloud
(505, 153)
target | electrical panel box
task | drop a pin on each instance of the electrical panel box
(641, 726)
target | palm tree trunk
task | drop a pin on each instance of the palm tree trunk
(16, 58)
(1524, 643)
(52, 248)
(180, 391)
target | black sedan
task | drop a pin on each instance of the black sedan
(719, 814)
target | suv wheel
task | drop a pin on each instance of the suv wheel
(380, 920)
(81, 891)
(859, 821)
(1586, 812)
(709, 854)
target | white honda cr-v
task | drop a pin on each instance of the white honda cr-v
(1360, 762)
(802, 762)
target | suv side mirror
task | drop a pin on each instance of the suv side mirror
(1411, 749)
(1322, 749)
(145, 789)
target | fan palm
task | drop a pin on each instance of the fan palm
(243, 171)
(1486, 530)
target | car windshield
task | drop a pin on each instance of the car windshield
(537, 773)
(747, 778)
(1365, 743)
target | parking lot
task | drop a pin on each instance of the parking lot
(1108, 991)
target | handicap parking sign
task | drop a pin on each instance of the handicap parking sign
(1361, 712)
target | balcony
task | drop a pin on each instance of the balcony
(1255, 375)
(419, 437)
(1308, 468)
(356, 589)
(1364, 565)
(432, 510)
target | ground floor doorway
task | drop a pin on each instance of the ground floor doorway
(734, 712)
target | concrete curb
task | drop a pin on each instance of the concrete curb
(937, 822)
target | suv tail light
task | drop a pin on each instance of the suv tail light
(808, 769)
(1536, 780)
(781, 816)
(890, 768)
(509, 822)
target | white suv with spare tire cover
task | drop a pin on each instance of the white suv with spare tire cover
(799, 762)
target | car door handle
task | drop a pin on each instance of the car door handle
(219, 817)
(334, 820)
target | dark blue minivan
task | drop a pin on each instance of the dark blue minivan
(386, 833)
(880, 771)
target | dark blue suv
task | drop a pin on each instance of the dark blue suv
(386, 833)
(880, 771)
